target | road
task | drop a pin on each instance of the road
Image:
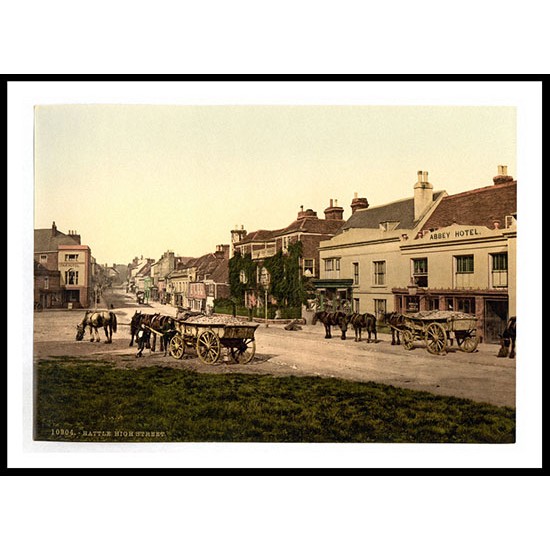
(480, 376)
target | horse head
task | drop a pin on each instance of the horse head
(79, 332)
(135, 322)
(343, 321)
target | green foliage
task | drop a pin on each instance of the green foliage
(287, 285)
(238, 287)
(75, 395)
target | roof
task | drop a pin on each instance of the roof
(481, 207)
(41, 270)
(211, 266)
(401, 211)
(306, 224)
(45, 242)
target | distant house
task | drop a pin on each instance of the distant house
(197, 282)
(61, 257)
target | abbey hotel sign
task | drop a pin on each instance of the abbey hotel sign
(455, 233)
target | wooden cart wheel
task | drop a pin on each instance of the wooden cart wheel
(245, 352)
(436, 338)
(469, 343)
(177, 346)
(208, 347)
(408, 339)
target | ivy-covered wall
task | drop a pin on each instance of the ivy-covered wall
(287, 285)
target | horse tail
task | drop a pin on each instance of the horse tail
(114, 322)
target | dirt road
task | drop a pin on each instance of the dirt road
(480, 376)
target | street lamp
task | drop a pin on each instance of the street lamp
(264, 280)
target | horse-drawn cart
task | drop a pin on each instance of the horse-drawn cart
(211, 337)
(436, 329)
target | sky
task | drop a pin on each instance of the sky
(141, 179)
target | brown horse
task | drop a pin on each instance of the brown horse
(159, 323)
(361, 321)
(395, 321)
(508, 340)
(165, 325)
(331, 319)
(95, 320)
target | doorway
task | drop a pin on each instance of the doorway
(496, 316)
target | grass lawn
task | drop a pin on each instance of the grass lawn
(84, 400)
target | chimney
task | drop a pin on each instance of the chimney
(309, 213)
(358, 203)
(423, 194)
(54, 229)
(222, 251)
(334, 212)
(237, 235)
(502, 176)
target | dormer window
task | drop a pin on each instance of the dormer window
(388, 225)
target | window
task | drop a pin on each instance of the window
(356, 305)
(332, 264)
(71, 257)
(380, 309)
(309, 267)
(499, 270)
(420, 272)
(43, 258)
(466, 305)
(286, 242)
(71, 277)
(46, 283)
(432, 303)
(464, 271)
(464, 264)
(412, 304)
(379, 271)
(355, 273)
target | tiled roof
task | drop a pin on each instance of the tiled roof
(45, 242)
(209, 265)
(307, 224)
(401, 211)
(481, 206)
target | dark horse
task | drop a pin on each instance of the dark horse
(508, 340)
(361, 321)
(331, 319)
(163, 324)
(395, 321)
(96, 320)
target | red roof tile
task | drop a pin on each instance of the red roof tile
(481, 206)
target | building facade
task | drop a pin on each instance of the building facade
(64, 275)
(362, 263)
(308, 229)
(197, 282)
